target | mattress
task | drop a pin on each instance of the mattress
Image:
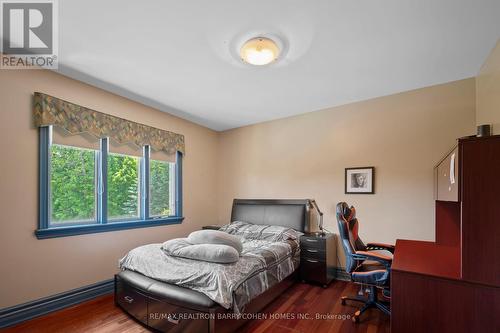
(262, 265)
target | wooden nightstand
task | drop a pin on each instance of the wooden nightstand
(318, 258)
(211, 227)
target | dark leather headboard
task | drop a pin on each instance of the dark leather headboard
(286, 213)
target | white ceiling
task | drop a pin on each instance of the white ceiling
(177, 56)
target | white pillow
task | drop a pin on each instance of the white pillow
(180, 247)
(215, 237)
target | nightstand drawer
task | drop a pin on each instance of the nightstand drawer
(317, 257)
(312, 243)
(313, 253)
(313, 270)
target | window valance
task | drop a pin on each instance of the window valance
(75, 119)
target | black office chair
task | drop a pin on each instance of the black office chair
(364, 265)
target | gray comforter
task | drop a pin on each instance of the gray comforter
(262, 264)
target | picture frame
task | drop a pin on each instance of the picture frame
(360, 180)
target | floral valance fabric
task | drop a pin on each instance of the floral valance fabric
(77, 119)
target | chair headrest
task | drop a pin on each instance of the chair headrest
(348, 213)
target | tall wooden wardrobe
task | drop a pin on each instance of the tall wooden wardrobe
(453, 284)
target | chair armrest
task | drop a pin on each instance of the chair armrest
(364, 255)
(380, 246)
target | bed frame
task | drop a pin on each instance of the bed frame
(169, 308)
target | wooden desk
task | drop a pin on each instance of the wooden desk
(429, 295)
(453, 285)
(427, 258)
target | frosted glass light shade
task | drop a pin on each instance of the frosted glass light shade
(259, 51)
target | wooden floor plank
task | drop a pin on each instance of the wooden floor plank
(102, 316)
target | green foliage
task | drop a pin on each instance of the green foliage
(73, 185)
(159, 188)
(123, 190)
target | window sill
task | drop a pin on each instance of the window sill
(112, 226)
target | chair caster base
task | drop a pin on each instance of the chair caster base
(355, 317)
(370, 302)
(343, 299)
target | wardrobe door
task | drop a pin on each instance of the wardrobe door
(447, 178)
(480, 167)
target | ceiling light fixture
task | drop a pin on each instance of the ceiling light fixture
(259, 51)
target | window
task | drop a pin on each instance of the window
(92, 185)
(162, 185)
(124, 165)
(72, 185)
(73, 190)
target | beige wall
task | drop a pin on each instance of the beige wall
(402, 135)
(31, 268)
(488, 91)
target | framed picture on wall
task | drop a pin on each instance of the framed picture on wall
(359, 180)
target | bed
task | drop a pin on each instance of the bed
(169, 307)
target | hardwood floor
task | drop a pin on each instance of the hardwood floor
(312, 300)
(101, 315)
